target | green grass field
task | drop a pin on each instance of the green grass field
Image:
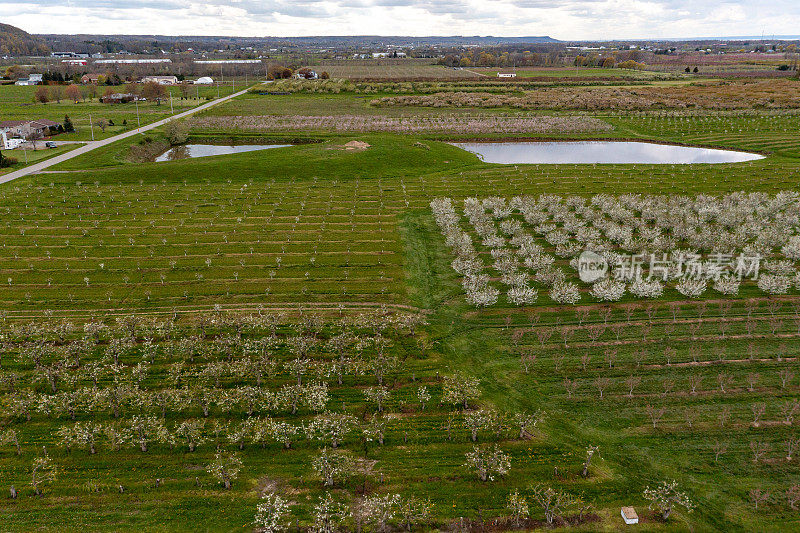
(17, 103)
(314, 229)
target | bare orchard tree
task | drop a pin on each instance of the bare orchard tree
(570, 385)
(758, 410)
(752, 380)
(527, 358)
(655, 413)
(554, 503)
(602, 383)
(632, 382)
(786, 375)
(793, 496)
(758, 496)
(788, 410)
(9, 436)
(758, 449)
(724, 415)
(792, 443)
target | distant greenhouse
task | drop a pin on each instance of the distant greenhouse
(205, 80)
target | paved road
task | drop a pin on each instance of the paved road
(33, 169)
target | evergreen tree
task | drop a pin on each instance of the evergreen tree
(68, 124)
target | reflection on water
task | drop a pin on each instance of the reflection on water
(590, 152)
(186, 151)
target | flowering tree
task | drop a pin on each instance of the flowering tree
(518, 506)
(377, 395)
(488, 462)
(565, 293)
(225, 467)
(192, 432)
(423, 396)
(477, 420)
(380, 509)
(590, 451)
(145, 429)
(413, 511)
(43, 473)
(328, 514)
(460, 389)
(666, 496)
(271, 513)
(87, 434)
(333, 466)
(283, 432)
(331, 427)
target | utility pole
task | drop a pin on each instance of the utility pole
(138, 123)
(91, 126)
(171, 109)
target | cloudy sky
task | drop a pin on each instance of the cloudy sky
(561, 19)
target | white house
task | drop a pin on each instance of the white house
(506, 74)
(10, 144)
(33, 79)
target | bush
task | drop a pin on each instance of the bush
(6, 162)
(177, 131)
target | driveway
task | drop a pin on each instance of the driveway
(33, 169)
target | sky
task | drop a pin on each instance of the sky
(560, 19)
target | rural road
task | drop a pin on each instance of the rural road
(89, 146)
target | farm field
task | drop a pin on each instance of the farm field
(299, 322)
(389, 71)
(564, 72)
(17, 103)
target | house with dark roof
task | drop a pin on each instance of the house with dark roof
(23, 128)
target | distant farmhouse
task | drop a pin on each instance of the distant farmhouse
(161, 80)
(306, 74)
(33, 79)
(24, 128)
(78, 55)
(91, 79)
(506, 74)
(118, 98)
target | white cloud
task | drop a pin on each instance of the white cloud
(562, 19)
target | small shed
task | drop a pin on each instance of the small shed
(629, 515)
